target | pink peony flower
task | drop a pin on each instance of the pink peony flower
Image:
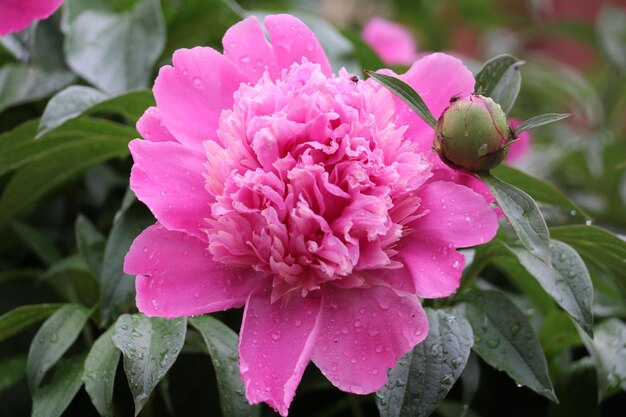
(393, 43)
(16, 15)
(308, 197)
(519, 149)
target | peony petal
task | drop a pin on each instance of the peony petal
(292, 40)
(457, 215)
(444, 173)
(17, 15)
(434, 264)
(393, 43)
(275, 345)
(436, 77)
(150, 126)
(167, 177)
(245, 44)
(363, 334)
(192, 93)
(176, 276)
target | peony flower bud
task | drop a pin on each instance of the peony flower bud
(472, 134)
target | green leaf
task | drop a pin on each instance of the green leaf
(540, 120)
(22, 84)
(116, 287)
(77, 100)
(116, 51)
(19, 147)
(54, 337)
(500, 79)
(99, 376)
(523, 214)
(53, 398)
(38, 242)
(597, 246)
(90, 243)
(423, 377)
(222, 344)
(150, 347)
(12, 369)
(505, 340)
(567, 280)
(539, 190)
(407, 94)
(609, 354)
(69, 103)
(21, 317)
(31, 183)
(612, 30)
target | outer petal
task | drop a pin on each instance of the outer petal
(192, 93)
(436, 77)
(275, 345)
(167, 177)
(17, 15)
(457, 217)
(176, 276)
(245, 44)
(391, 41)
(150, 126)
(293, 40)
(364, 332)
(434, 264)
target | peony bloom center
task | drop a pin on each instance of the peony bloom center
(312, 180)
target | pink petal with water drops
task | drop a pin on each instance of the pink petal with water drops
(393, 43)
(456, 215)
(434, 264)
(174, 191)
(150, 126)
(245, 45)
(275, 344)
(176, 276)
(363, 333)
(17, 15)
(292, 40)
(436, 77)
(192, 93)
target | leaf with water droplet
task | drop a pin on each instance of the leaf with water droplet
(523, 214)
(222, 344)
(567, 281)
(608, 350)
(99, 376)
(423, 377)
(53, 398)
(598, 247)
(150, 346)
(53, 339)
(517, 353)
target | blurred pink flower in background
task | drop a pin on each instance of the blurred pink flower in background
(310, 198)
(393, 43)
(521, 148)
(16, 15)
